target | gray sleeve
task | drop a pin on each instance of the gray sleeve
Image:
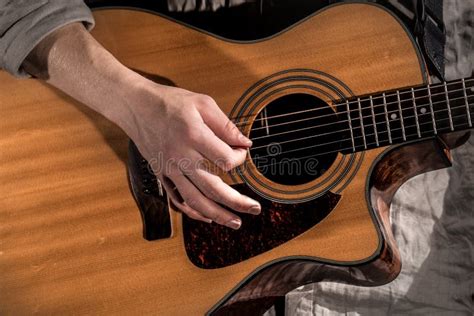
(24, 23)
(206, 5)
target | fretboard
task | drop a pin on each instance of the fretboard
(408, 114)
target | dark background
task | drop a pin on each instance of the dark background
(249, 21)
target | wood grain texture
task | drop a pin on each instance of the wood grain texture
(70, 232)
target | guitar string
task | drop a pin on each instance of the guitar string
(343, 130)
(338, 150)
(329, 152)
(351, 128)
(357, 110)
(368, 99)
(368, 144)
(357, 118)
(248, 122)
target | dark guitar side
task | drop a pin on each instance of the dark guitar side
(70, 231)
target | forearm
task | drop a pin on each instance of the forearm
(71, 60)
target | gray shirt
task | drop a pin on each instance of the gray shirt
(24, 23)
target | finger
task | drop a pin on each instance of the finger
(196, 200)
(217, 190)
(195, 215)
(171, 189)
(218, 151)
(220, 124)
(191, 213)
(178, 202)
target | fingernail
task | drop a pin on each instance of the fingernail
(234, 224)
(255, 209)
(245, 140)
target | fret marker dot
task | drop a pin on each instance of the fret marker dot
(393, 116)
(472, 89)
(423, 110)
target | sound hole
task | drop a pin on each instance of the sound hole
(295, 139)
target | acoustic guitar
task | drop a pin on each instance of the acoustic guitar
(341, 114)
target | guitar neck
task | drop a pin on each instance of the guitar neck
(399, 116)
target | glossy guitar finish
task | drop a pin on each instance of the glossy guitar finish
(70, 228)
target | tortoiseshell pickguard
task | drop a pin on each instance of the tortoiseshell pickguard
(211, 246)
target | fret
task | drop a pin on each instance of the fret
(407, 116)
(416, 113)
(393, 110)
(368, 119)
(432, 110)
(350, 124)
(451, 125)
(425, 115)
(401, 116)
(386, 118)
(467, 103)
(380, 120)
(440, 107)
(362, 123)
(373, 121)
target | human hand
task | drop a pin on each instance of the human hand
(179, 132)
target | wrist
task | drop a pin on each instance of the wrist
(138, 96)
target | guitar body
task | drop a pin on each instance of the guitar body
(70, 229)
